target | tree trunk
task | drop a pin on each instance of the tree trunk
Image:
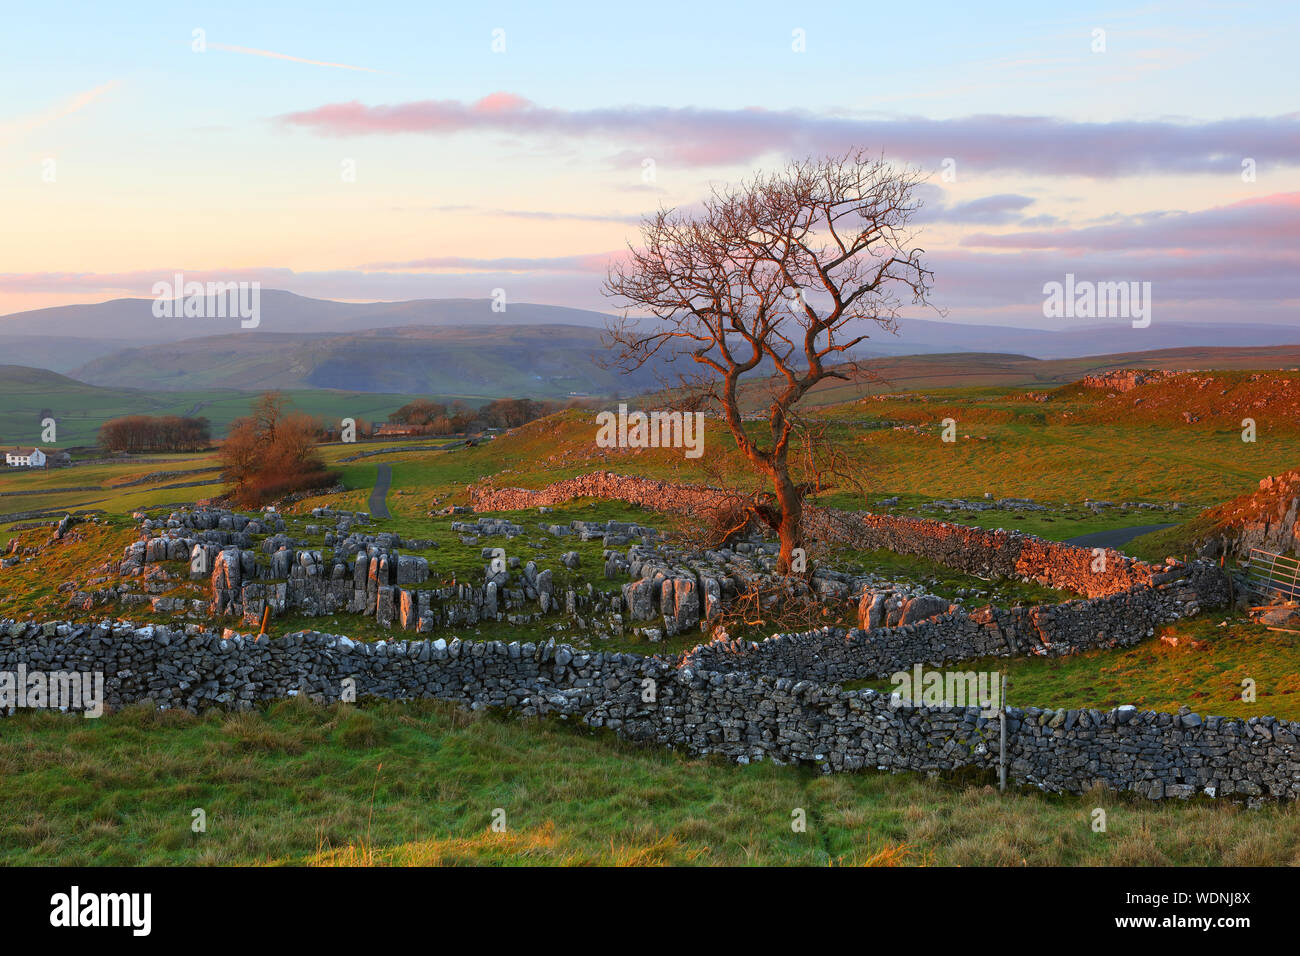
(791, 527)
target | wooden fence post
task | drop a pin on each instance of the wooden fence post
(1002, 745)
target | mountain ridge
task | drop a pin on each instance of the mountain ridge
(543, 361)
(66, 338)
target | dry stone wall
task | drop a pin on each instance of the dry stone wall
(669, 701)
(833, 654)
(646, 492)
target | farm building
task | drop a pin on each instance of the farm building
(25, 458)
(36, 458)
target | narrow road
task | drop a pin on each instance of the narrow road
(378, 508)
(1115, 536)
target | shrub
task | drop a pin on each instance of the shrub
(271, 454)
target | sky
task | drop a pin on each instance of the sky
(390, 151)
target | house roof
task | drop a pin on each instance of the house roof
(22, 452)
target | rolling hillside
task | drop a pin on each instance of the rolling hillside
(537, 361)
(65, 337)
(368, 376)
(79, 409)
(133, 320)
(987, 370)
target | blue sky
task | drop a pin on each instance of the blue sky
(1195, 59)
(125, 154)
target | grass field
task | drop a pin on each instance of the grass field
(79, 409)
(1205, 670)
(418, 783)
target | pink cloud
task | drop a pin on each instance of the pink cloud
(592, 263)
(704, 137)
(1265, 223)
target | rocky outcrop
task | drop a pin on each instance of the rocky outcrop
(1126, 379)
(977, 551)
(675, 591)
(1264, 519)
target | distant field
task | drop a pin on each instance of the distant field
(79, 409)
(1003, 371)
(1055, 452)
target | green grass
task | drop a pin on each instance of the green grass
(1055, 463)
(79, 409)
(293, 785)
(944, 581)
(1059, 522)
(1074, 462)
(54, 490)
(1205, 671)
(1182, 539)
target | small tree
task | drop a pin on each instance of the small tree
(777, 276)
(270, 453)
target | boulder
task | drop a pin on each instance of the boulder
(639, 599)
(922, 608)
(680, 602)
(412, 569)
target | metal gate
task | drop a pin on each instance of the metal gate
(1273, 577)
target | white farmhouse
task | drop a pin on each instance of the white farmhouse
(25, 458)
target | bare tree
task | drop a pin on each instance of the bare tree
(780, 277)
(266, 411)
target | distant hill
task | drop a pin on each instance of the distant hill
(56, 353)
(536, 361)
(992, 370)
(26, 394)
(132, 320)
(65, 337)
(556, 361)
(18, 380)
(507, 357)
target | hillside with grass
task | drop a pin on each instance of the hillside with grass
(577, 795)
(79, 408)
(1010, 443)
(973, 370)
(485, 361)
